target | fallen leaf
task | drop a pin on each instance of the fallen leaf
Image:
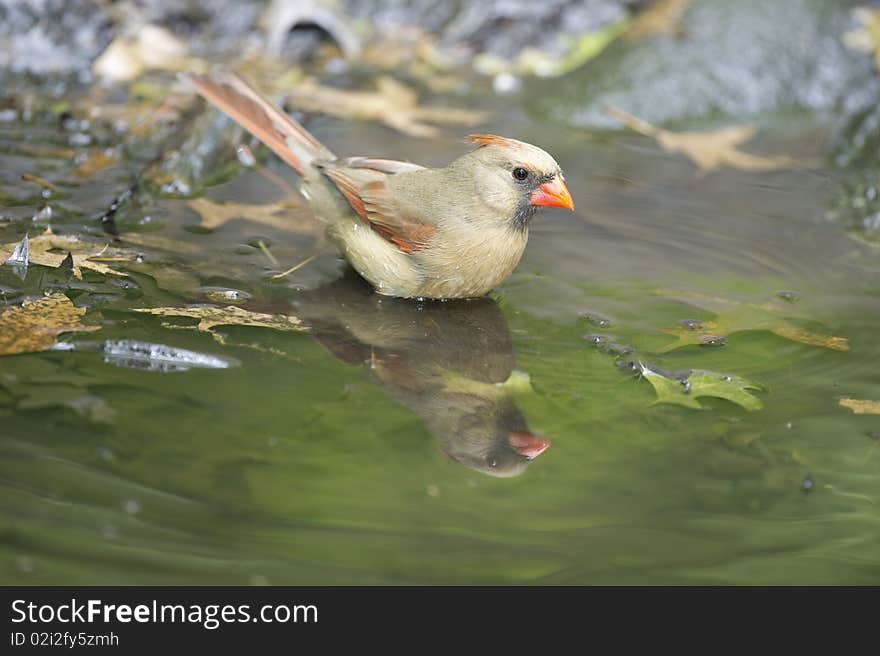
(210, 316)
(708, 150)
(392, 103)
(734, 316)
(685, 390)
(662, 17)
(213, 215)
(49, 249)
(861, 406)
(865, 38)
(33, 325)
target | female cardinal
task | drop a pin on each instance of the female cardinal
(411, 231)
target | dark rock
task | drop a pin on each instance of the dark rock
(732, 58)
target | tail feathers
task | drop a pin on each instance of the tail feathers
(287, 138)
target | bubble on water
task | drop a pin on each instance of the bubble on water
(224, 295)
(789, 425)
(712, 340)
(618, 350)
(131, 506)
(691, 324)
(596, 319)
(432, 490)
(246, 156)
(106, 454)
(44, 214)
(807, 483)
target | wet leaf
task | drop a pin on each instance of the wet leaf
(49, 249)
(734, 316)
(210, 316)
(391, 103)
(685, 390)
(33, 325)
(861, 406)
(662, 17)
(708, 150)
(865, 38)
(214, 215)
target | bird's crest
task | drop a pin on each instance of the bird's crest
(492, 140)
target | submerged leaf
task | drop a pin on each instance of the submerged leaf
(210, 316)
(734, 316)
(708, 150)
(861, 406)
(685, 390)
(33, 325)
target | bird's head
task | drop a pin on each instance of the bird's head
(514, 178)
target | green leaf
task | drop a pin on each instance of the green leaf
(684, 391)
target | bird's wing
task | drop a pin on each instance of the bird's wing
(363, 182)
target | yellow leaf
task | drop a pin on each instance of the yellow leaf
(210, 316)
(708, 150)
(49, 249)
(215, 214)
(33, 325)
(861, 406)
(735, 316)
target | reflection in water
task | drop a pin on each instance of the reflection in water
(449, 362)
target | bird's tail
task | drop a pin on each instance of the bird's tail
(244, 104)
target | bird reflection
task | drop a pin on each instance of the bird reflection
(449, 362)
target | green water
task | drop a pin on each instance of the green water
(322, 456)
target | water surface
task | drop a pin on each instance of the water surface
(363, 450)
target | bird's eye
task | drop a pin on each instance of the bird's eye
(520, 173)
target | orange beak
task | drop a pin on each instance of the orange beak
(527, 445)
(553, 193)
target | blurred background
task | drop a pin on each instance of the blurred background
(677, 385)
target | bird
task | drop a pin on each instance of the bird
(410, 231)
(450, 362)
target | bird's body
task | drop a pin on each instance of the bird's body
(411, 231)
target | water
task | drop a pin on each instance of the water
(374, 448)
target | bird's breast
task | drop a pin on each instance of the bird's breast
(465, 264)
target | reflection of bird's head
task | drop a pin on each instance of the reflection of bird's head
(488, 435)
